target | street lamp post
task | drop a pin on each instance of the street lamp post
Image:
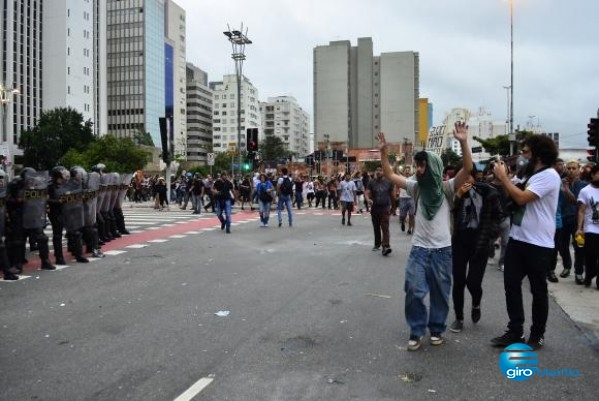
(238, 41)
(5, 98)
(511, 134)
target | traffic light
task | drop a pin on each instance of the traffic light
(593, 132)
(251, 139)
(592, 155)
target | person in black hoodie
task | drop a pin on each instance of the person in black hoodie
(477, 217)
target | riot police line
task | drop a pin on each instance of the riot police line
(86, 206)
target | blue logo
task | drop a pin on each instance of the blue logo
(518, 362)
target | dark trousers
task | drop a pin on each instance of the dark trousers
(380, 225)
(559, 248)
(57, 227)
(523, 259)
(566, 238)
(468, 269)
(591, 256)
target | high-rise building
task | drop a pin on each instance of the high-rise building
(175, 83)
(357, 95)
(425, 121)
(68, 59)
(136, 66)
(224, 112)
(283, 117)
(99, 71)
(199, 115)
(20, 69)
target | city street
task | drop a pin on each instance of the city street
(179, 310)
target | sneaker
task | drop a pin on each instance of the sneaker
(280, 223)
(475, 314)
(414, 343)
(403, 226)
(436, 339)
(457, 326)
(410, 231)
(386, 251)
(81, 259)
(10, 276)
(552, 277)
(508, 338)
(375, 248)
(349, 223)
(46, 265)
(60, 261)
(343, 221)
(565, 273)
(500, 267)
(222, 225)
(578, 279)
(535, 342)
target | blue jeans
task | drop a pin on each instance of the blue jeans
(286, 201)
(224, 206)
(428, 270)
(196, 203)
(264, 211)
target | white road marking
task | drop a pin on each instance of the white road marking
(195, 389)
(177, 236)
(193, 232)
(114, 253)
(158, 241)
(137, 246)
(21, 277)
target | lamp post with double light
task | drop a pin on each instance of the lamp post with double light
(238, 41)
(6, 96)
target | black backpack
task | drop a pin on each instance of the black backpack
(287, 186)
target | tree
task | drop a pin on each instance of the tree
(57, 131)
(141, 137)
(449, 157)
(500, 145)
(273, 148)
(118, 154)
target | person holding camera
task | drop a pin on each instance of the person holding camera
(530, 247)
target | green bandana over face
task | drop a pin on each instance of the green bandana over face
(430, 186)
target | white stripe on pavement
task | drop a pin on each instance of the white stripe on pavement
(195, 389)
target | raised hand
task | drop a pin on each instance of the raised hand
(460, 131)
(382, 142)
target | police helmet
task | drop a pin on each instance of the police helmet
(98, 168)
(59, 172)
(27, 170)
(78, 173)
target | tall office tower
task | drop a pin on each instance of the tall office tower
(68, 59)
(136, 65)
(224, 112)
(99, 70)
(199, 115)
(283, 117)
(175, 83)
(20, 69)
(357, 95)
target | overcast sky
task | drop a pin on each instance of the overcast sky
(464, 48)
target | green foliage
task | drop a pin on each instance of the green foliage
(371, 165)
(141, 137)
(449, 157)
(500, 145)
(118, 154)
(273, 148)
(57, 131)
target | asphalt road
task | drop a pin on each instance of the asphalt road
(313, 314)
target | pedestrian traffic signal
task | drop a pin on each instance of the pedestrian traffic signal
(593, 132)
(251, 140)
(592, 155)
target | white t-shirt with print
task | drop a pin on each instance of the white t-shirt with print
(348, 189)
(534, 223)
(435, 233)
(589, 197)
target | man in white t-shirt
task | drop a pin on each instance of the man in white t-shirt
(531, 245)
(588, 225)
(429, 265)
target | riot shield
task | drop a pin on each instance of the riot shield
(105, 192)
(123, 188)
(91, 198)
(2, 206)
(35, 195)
(115, 182)
(71, 198)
